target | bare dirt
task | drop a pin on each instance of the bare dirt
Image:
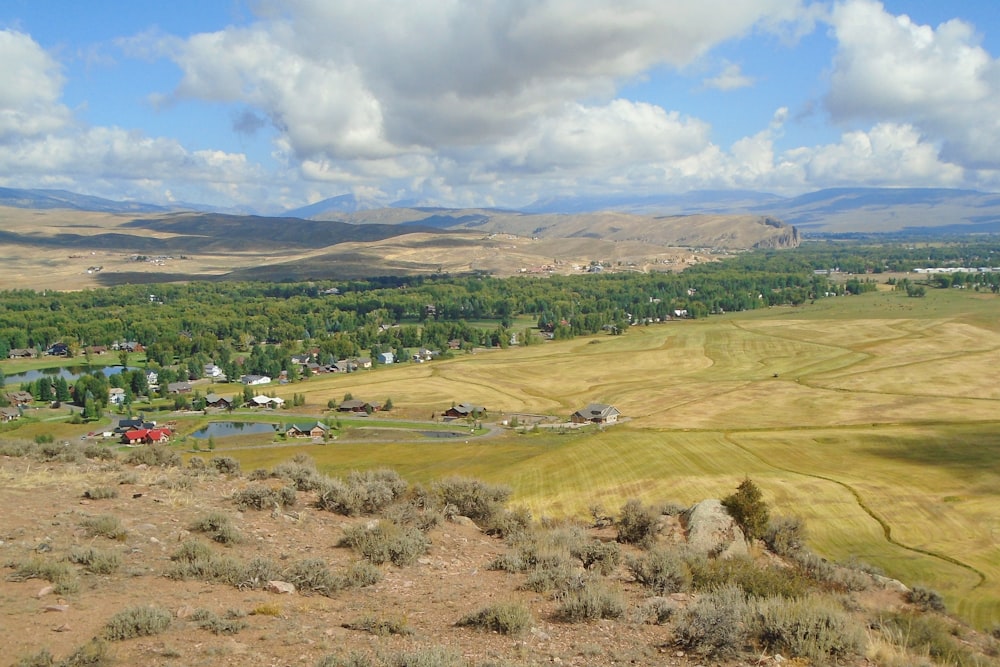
(45, 506)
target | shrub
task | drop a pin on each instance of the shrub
(506, 618)
(636, 524)
(785, 535)
(100, 493)
(60, 575)
(661, 571)
(928, 635)
(714, 625)
(225, 465)
(260, 497)
(153, 455)
(829, 574)
(596, 555)
(137, 622)
(361, 493)
(96, 561)
(230, 625)
(505, 523)
(197, 463)
(472, 498)
(100, 452)
(302, 474)
(104, 525)
(658, 609)
(360, 574)
(709, 574)
(807, 627)
(592, 601)
(748, 509)
(266, 609)
(92, 654)
(312, 575)
(380, 625)
(387, 542)
(926, 599)
(220, 527)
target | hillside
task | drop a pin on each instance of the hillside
(132, 559)
(70, 249)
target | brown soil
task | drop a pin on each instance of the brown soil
(44, 506)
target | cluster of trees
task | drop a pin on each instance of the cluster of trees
(199, 322)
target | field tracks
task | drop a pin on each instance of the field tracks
(885, 526)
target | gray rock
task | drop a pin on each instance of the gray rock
(280, 587)
(712, 532)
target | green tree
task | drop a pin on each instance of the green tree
(748, 509)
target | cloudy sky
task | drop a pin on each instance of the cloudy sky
(273, 104)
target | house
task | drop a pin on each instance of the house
(344, 366)
(127, 346)
(355, 405)
(596, 413)
(313, 430)
(125, 425)
(463, 410)
(116, 396)
(22, 353)
(363, 362)
(423, 354)
(9, 414)
(145, 436)
(301, 359)
(20, 397)
(266, 402)
(212, 371)
(58, 350)
(179, 387)
(252, 380)
(386, 357)
(97, 349)
(213, 400)
(152, 379)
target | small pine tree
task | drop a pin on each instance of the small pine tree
(388, 404)
(211, 443)
(748, 509)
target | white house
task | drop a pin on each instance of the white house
(212, 371)
(267, 402)
(152, 379)
(386, 357)
(251, 380)
(116, 396)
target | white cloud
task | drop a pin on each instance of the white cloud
(730, 78)
(889, 68)
(383, 79)
(30, 84)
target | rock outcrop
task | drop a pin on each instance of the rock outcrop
(712, 532)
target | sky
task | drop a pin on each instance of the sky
(267, 105)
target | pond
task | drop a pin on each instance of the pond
(71, 373)
(224, 429)
(442, 434)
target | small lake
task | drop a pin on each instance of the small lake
(441, 434)
(224, 429)
(71, 373)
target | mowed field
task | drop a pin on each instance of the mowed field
(876, 418)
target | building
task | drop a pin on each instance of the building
(596, 413)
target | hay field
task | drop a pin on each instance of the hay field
(876, 418)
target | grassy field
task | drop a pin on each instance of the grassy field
(874, 417)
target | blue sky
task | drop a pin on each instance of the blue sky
(269, 105)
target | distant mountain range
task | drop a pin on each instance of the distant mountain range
(839, 210)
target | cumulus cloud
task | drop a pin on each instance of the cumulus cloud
(29, 90)
(384, 79)
(44, 145)
(939, 80)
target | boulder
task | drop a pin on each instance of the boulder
(712, 532)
